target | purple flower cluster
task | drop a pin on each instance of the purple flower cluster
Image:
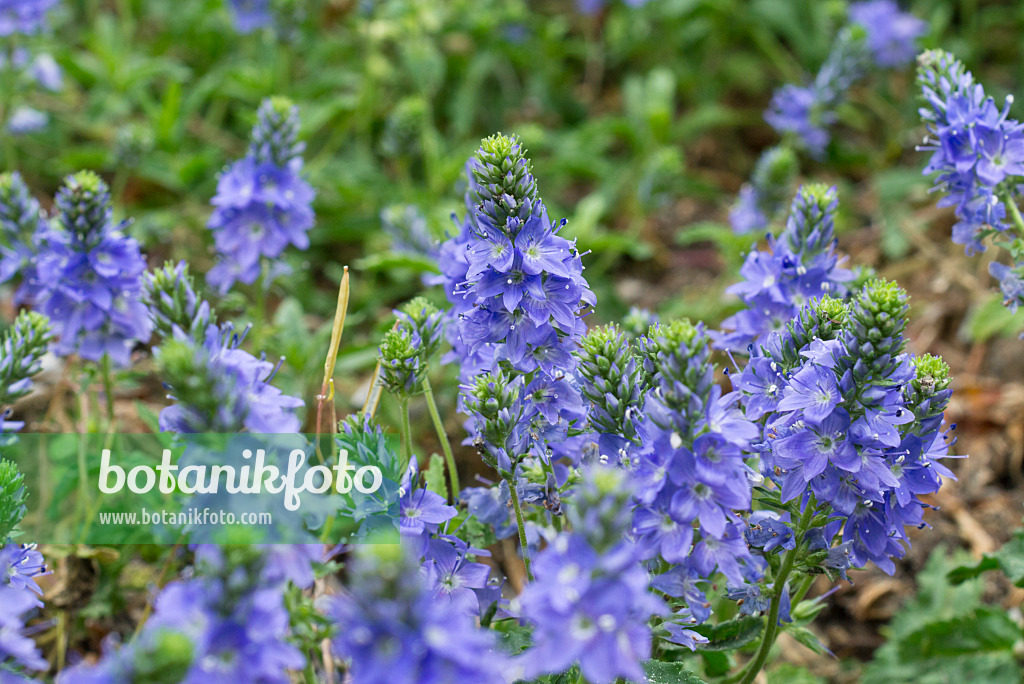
(217, 386)
(977, 150)
(89, 276)
(228, 623)
(891, 33)
(220, 388)
(691, 480)
(24, 16)
(851, 421)
(452, 578)
(517, 292)
(799, 265)
(17, 651)
(591, 600)
(21, 351)
(263, 204)
(394, 628)
(22, 224)
(879, 33)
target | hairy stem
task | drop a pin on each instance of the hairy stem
(442, 434)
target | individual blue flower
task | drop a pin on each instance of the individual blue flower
(394, 630)
(814, 391)
(421, 512)
(89, 276)
(263, 203)
(20, 565)
(891, 34)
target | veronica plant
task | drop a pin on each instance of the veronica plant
(393, 628)
(90, 276)
(21, 351)
(978, 158)
(517, 292)
(878, 36)
(591, 601)
(853, 438)
(797, 266)
(20, 596)
(263, 203)
(22, 224)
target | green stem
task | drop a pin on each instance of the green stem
(442, 435)
(108, 391)
(1018, 220)
(771, 627)
(805, 586)
(406, 434)
(514, 495)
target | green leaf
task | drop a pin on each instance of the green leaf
(987, 629)
(992, 319)
(1009, 559)
(515, 638)
(435, 476)
(388, 261)
(731, 634)
(659, 672)
(808, 639)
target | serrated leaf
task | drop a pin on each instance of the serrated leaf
(660, 672)
(731, 634)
